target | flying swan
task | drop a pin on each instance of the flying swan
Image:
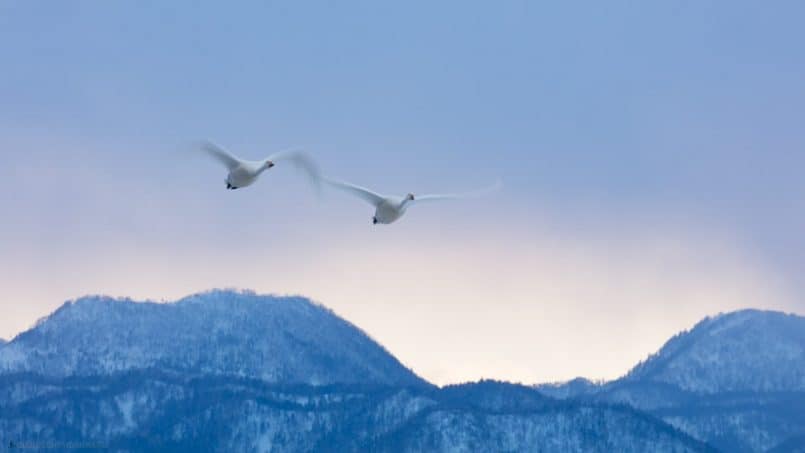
(244, 173)
(389, 209)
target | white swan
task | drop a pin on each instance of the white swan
(243, 173)
(389, 209)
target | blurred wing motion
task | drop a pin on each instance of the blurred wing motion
(361, 192)
(302, 161)
(452, 196)
(228, 160)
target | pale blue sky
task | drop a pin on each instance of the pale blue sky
(651, 154)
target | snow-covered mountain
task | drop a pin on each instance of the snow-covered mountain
(234, 371)
(274, 339)
(736, 381)
(747, 350)
(148, 410)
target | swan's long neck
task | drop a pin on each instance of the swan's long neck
(405, 202)
(266, 165)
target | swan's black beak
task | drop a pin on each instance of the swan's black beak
(270, 164)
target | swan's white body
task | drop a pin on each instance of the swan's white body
(243, 173)
(389, 209)
(246, 173)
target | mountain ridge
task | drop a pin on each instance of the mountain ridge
(213, 332)
(151, 410)
(692, 361)
(287, 373)
(735, 380)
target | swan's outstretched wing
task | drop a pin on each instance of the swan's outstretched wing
(362, 192)
(231, 162)
(302, 161)
(453, 196)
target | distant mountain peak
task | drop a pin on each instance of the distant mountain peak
(495, 395)
(743, 350)
(569, 389)
(217, 332)
(736, 319)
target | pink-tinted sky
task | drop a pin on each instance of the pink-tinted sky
(651, 157)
